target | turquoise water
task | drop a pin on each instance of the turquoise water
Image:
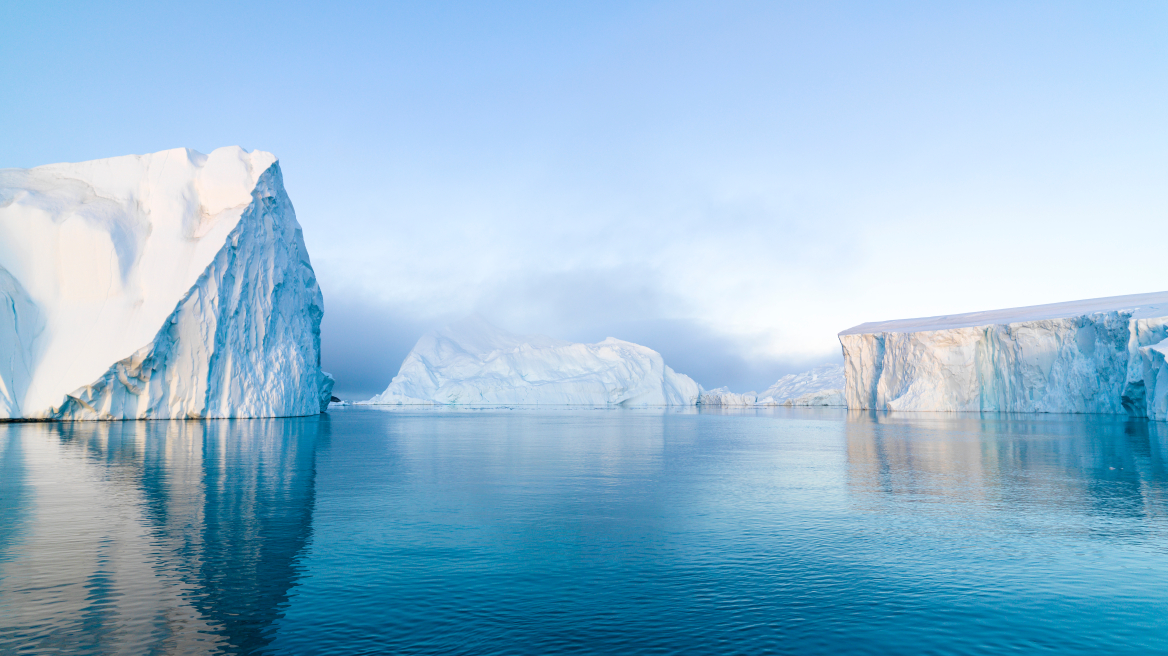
(586, 531)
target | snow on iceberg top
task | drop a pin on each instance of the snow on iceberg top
(1140, 305)
(472, 362)
(96, 255)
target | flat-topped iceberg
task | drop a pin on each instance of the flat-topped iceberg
(1104, 355)
(821, 386)
(475, 363)
(162, 286)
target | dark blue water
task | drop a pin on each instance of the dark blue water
(589, 531)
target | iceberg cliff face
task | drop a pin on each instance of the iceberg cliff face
(821, 386)
(171, 285)
(1096, 356)
(474, 363)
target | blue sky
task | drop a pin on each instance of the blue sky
(729, 183)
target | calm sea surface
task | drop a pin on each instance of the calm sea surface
(588, 531)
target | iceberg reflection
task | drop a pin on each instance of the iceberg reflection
(113, 537)
(1091, 464)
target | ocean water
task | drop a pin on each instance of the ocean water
(588, 531)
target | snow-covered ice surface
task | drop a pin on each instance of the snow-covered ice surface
(823, 385)
(169, 285)
(475, 363)
(1104, 355)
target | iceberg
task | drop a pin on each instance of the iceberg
(722, 396)
(162, 286)
(1104, 355)
(821, 386)
(472, 362)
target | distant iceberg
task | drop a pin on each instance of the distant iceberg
(821, 386)
(163, 286)
(1104, 355)
(475, 363)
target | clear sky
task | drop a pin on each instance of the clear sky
(730, 183)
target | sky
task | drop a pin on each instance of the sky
(729, 183)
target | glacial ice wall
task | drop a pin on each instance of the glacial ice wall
(820, 386)
(1102, 355)
(475, 363)
(171, 285)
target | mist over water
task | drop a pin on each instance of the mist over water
(367, 344)
(597, 531)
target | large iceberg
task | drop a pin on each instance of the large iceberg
(171, 285)
(1104, 355)
(475, 363)
(821, 386)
